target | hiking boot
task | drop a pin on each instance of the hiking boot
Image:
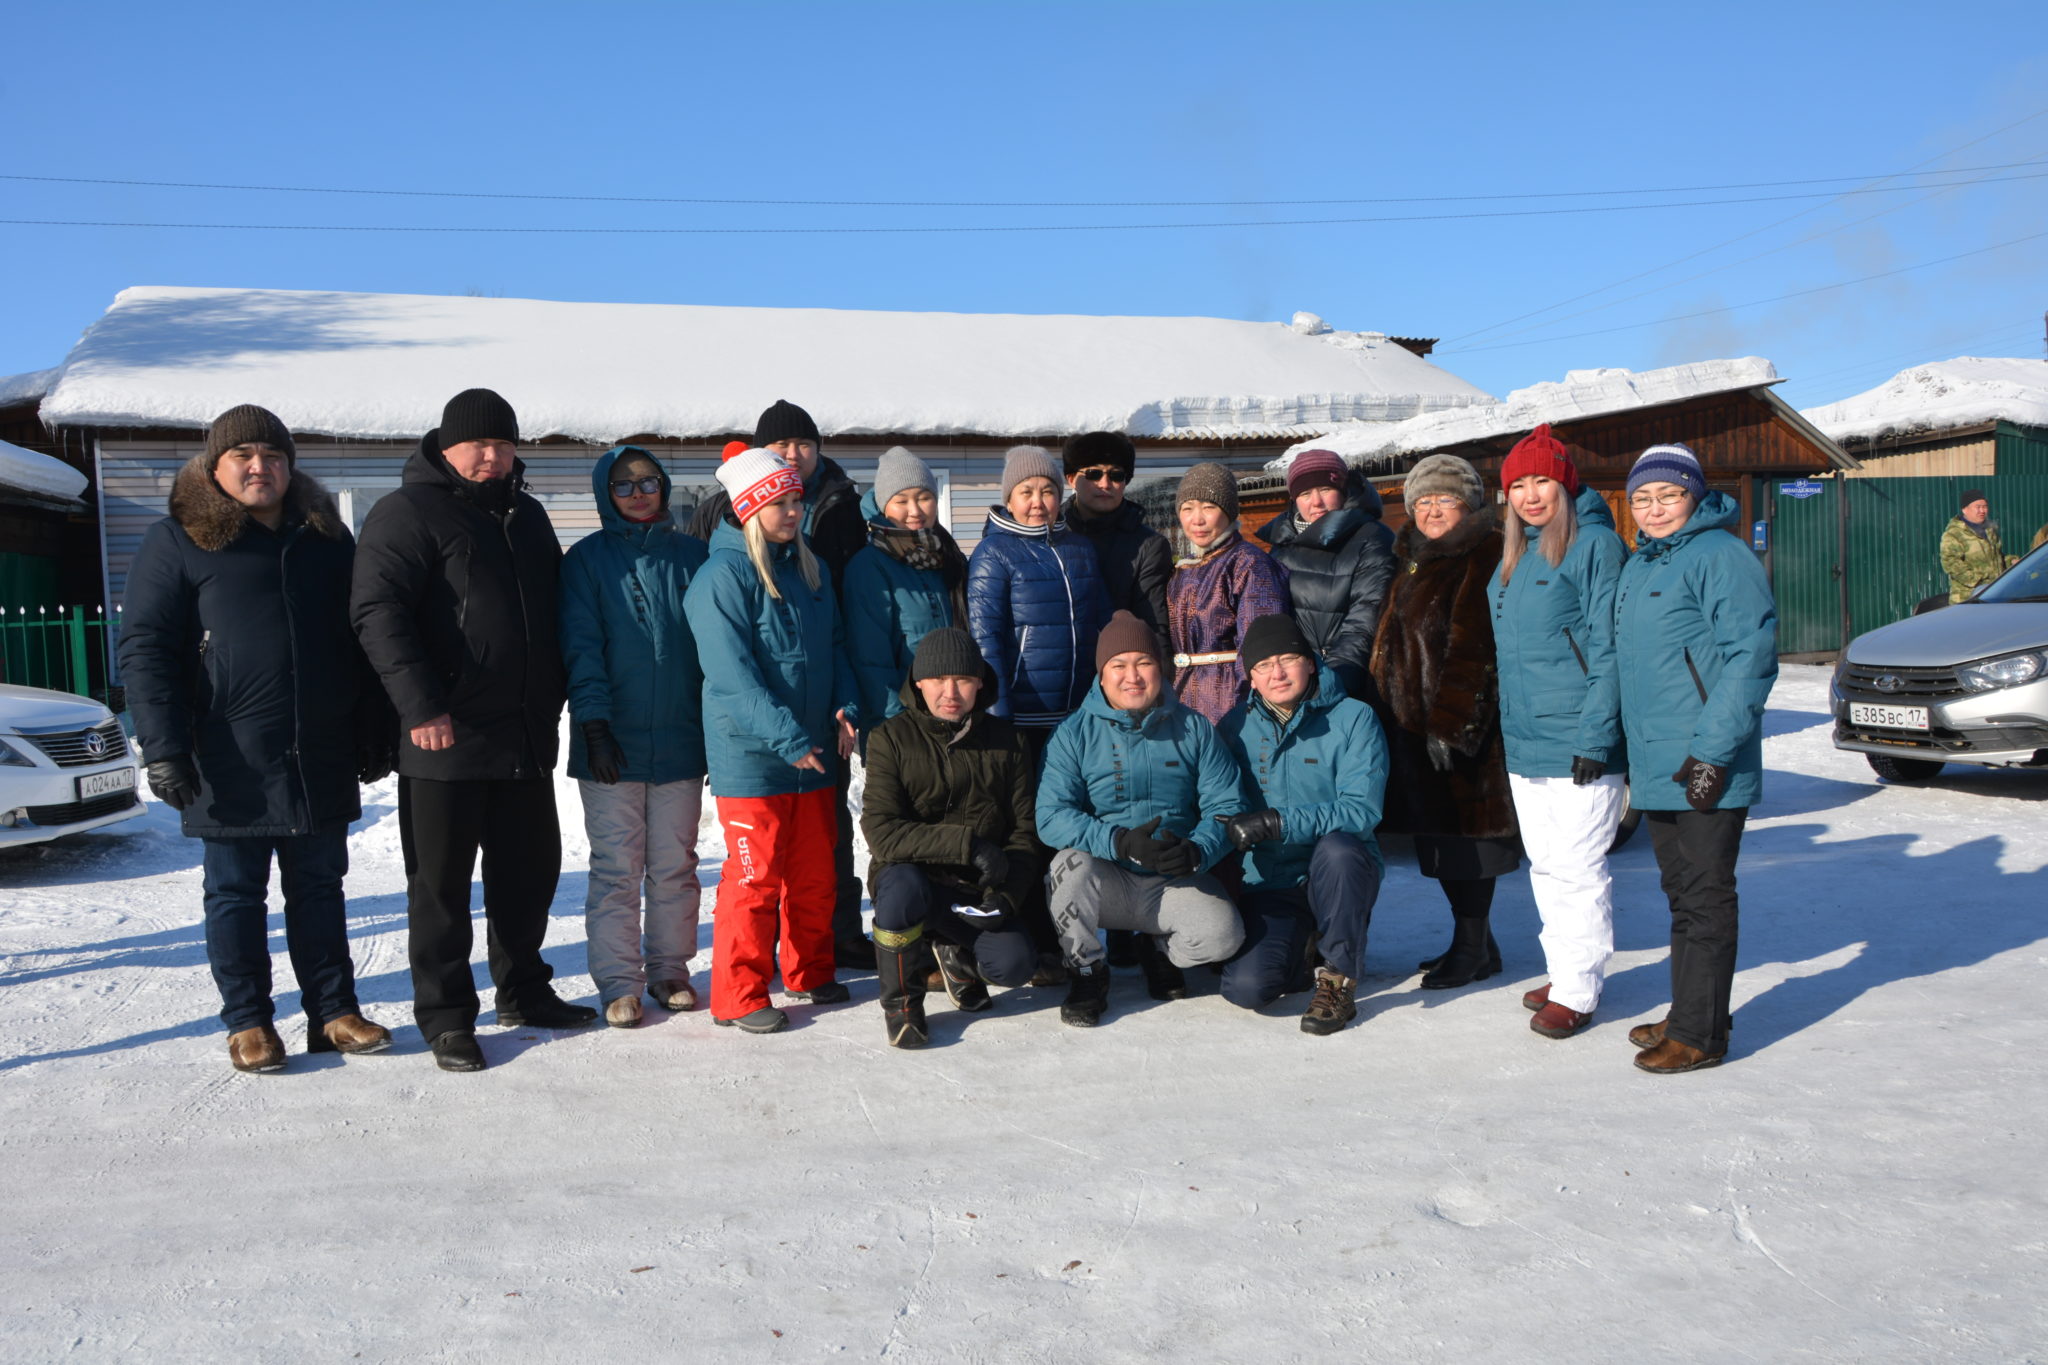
(1471, 957)
(457, 1050)
(1536, 999)
(1163, 980)
(1559, 1021)
(1051, 972)
(963, 982)
(546, 1010)
(349, 1033)
(829, 993)
(1646, 1036)
(675, 996)
(1332, 1006)
(1122, 946)
(1670, 1057)
(899, 968)
(1087, 995)
(257, 1049)
(766, 1019)
(623, 1012)
(1492, 958)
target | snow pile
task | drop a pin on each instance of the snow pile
(27, 388)
(379, 366)
(1966, 391)
(1582, 393)
(40, 476)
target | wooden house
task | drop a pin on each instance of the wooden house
(1973, 417)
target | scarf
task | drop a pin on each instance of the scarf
(1222, 543)
(932, 551)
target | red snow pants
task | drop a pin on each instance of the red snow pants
(778, 866)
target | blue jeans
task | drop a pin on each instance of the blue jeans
(310, 871)
(1335, 904)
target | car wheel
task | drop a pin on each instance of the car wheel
(1630, 818)
(1909, 771)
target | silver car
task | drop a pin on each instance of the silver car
(65, 766)
(1962, 684)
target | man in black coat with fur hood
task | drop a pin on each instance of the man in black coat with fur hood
(257, 715)
(455, 603)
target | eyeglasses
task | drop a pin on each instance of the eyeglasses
(1424, 503)
(625, 488)
(1102, 475)
(1265, 668)
(1642, 501)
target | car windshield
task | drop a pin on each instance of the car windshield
(2026, 581)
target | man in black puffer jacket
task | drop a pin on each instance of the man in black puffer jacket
(1136, 560)
(455, 603)
(1339, 560)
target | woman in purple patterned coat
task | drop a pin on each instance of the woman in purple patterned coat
(1216, 593)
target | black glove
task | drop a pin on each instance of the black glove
(991, 864)
(174, 781)
(994, 920)
(1439, 754)
(1703, 783)
(376, 756)
(1586, 770)
(601, 752)
(1253, 827)
(1141, 848)
(1179, 858)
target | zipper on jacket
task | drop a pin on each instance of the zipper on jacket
(284, 580)
(1698, 686)
(525, 629)
(1577, 653)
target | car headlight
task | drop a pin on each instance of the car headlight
(2011, 671)
(11, 757)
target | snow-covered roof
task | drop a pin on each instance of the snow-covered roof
(1581, 394)
(37, 476)
(380, 366)
(1967, 391)
(26, 388)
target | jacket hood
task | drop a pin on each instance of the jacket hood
(213, 520)
(999, 519)
(1468, 535)
(608, 514)
(427, 464)
(1716, 512)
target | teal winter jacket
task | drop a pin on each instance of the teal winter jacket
(774, 671)
(889, 608)
(1324, 769)
(1106, 770)
(1553, 634)
(626, 646)
(1696, 650)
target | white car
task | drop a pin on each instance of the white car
(65, 766)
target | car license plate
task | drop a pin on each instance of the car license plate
(1888, 717)
(119, 779)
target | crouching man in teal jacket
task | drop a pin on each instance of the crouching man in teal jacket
(1315, 766)
(1133, 785)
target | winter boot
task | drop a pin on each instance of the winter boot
(1123, 947)
(1332, 1007)
(1670, 1057)
(1471, 957)
(350, 1033)
(623, 1012)
(900, 958)
(1536, 999)
(1163, 980)
(256, 1049)
(1492, 960)
(1087, 995)
(1646, 1036)
(1558, 1021)
(545, 1010)
(963, 982)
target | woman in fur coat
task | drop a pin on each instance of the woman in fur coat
(1439, 699)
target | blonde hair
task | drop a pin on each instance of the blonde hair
(757, 552)
(1557, 538)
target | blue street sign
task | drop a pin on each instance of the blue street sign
(1801, 488)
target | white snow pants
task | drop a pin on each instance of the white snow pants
(643, 837)
(1566, 831)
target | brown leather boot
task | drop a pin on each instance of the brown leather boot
(1647, 1035)
(1558, 1021)
(349, 1033)
(257, 1049)
(1671, 1056)
(1536, 999)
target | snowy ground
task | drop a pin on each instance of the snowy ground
(1862, 1179)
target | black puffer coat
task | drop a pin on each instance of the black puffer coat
(236, 652)
(1136, 560)
(931, 791)
(1338, 568)
(455, 603)
(833, 525)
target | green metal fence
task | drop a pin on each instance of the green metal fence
(66, 649)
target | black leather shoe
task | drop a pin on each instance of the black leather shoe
(831, 993)
(456, 1050)
(549, 1011)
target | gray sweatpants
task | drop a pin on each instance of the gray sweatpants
(643, 837)
(1192, 917)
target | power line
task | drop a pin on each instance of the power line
(941, 228)
(979, 204)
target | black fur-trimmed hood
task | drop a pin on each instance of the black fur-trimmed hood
(214, 520)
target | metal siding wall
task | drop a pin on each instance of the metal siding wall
(1805, 550)
(1895, 528)
(2022, 450)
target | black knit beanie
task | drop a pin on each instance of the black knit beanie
(1270, 635)
(784, 421)
(1092, 448)
(477, 415)
(245, 425)
(948, 652)
(1970, 495)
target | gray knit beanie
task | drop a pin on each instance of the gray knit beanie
(1210, 483)
(948, 652)
(1445, 475)
(245, 425)
(1029, 462)
(897, 470)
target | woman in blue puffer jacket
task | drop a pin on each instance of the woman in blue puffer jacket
(910, 580)
(636, 748)
(1553, 632)
(1696, 652)
(1035, 600)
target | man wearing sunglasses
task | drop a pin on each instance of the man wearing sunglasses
(1136, 560)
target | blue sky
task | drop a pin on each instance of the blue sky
(1036, 105)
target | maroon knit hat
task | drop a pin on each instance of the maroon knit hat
(1540, 453)
(1125, 634)
(1316, 469)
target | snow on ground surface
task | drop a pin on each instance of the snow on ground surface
(1861, 1181)
(33, 472)
(380, 366)
(1582, 393)
(1962, 392)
